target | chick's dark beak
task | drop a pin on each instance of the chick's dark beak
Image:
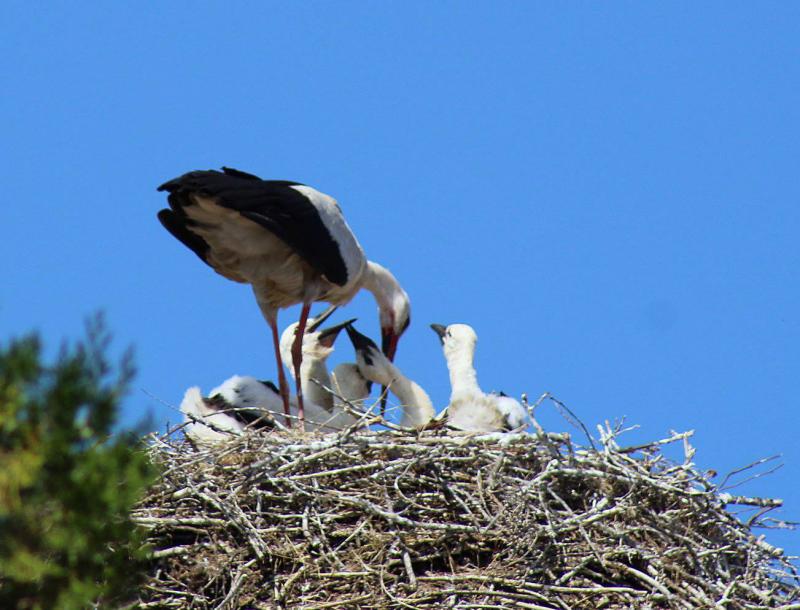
(327, 337)
(360, 342)
(440, 330)
(318, 321)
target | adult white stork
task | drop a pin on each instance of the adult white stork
(374, 366)
(290, 242)
(470, 408)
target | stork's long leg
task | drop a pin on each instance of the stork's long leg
(297, 357)
(284, 386)
(384, 397)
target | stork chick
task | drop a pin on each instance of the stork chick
(374, 366)
(470, 408)
(350, 385)
(239, 403)
(245, 402)
(317, 347)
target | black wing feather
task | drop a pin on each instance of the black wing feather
(254, 418)
(270, 385)
(239, 173)
(272, 204)
(178, 226)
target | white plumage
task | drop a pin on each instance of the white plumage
(232, 407)
(241, 402)
(373, 365)
(289, 241)
(317, 348)
(350, 386)
(260, 405)
(514, 414)
(470, 408)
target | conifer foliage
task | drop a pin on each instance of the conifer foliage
(67, 485)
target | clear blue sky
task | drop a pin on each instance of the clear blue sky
(607, 192)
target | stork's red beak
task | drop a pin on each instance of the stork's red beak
(389, 343)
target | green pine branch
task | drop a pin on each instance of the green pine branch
(67, 484)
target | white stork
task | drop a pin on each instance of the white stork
(470, 408)
(237, 404)
(289, 241)
(315, 380)
(245, 402)
(350, 385)
(374, 366)
(242, 403)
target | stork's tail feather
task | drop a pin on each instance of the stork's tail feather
(192, 403)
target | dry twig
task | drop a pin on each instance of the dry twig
(403, 519)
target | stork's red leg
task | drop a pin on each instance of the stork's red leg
(284, 386)
(297, 357)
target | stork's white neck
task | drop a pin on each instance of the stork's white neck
(314, 378)
(376, 280)
(463, 377)
(417, 406)
(393, 303)
(313, 367)
(349, 384)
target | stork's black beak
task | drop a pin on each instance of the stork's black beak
(310, 328)
(440, 330)
(360, 342)
(328, 336)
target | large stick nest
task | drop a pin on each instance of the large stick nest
(393, 519)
